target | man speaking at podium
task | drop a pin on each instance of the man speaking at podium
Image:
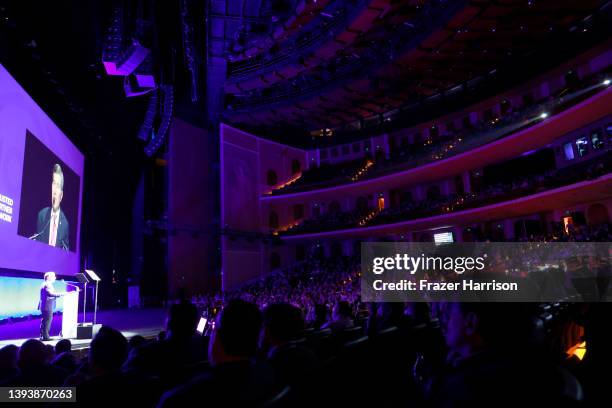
(52, 225)
(47, 304)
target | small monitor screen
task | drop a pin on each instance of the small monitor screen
(201, 325)
(443, 238)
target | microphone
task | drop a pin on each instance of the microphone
(74, 286)
(35, 235)
(42, 229)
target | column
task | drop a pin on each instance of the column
(467, 183)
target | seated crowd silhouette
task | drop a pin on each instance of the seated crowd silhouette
(432, 206)
(303, 337)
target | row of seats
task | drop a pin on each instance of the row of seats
(454, 142)
(455, 202)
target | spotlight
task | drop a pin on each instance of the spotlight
(606, 82)
(544, 115)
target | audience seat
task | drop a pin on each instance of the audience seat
(280, 400)
(347, 335)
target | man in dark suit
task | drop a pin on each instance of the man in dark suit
(47, 304)
(52, 225)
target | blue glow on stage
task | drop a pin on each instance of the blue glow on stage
(19, 296)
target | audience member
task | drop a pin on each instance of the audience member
(162, 335)
(342, 318)
(62, 346)
(319, 316)
(236, 378)
(168, 359)
(283, 325)
(64, 357)
(136, 341)
(8, 362)
(34, 369)
(488, 361)
(104, 384)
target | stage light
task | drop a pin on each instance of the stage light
(544, 115)
(606, 82)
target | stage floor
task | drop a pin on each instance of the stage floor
(144, 322)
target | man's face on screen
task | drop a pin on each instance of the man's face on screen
(56, 192)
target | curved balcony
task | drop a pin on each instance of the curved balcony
(566, 196)
(477, 150)
(304, 13)
(498, 192)
(345, 67)
(371, 26)
(315, 33)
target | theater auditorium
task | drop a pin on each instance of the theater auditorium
(194, 195)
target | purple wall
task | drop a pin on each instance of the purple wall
(192, 258)
(245, 162)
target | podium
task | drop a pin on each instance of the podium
(87, 330)
(69, 316)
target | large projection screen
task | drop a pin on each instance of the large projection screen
(41, 184)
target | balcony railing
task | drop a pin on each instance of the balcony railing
(500, 192)
(460, 142)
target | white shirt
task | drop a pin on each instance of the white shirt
(54, 219)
